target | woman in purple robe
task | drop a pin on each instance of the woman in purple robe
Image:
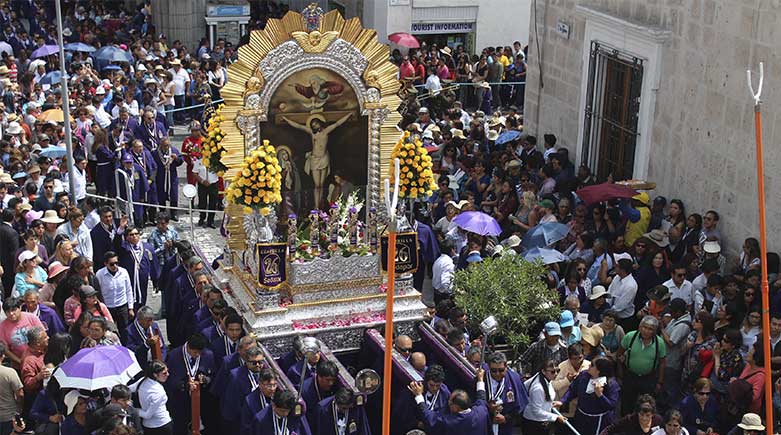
(597, 393)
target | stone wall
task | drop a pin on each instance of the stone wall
(702, 138)
(181, 19)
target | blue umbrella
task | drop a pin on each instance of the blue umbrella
(508, 136)
(79, 46)
(52, 78)
(112, 54)
(548, 256)
(544, 235)
(478, 222)
(46, 50)
(53, 152)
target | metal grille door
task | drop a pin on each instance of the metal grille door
(610, 134)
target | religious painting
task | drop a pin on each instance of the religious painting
(322, 141)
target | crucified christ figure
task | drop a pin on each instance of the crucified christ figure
(318, 163)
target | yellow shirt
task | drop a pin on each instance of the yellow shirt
(635, 230)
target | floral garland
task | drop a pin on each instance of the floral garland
(257, 184)
(416, 180)
(212, 146)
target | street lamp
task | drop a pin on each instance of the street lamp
(189, 191)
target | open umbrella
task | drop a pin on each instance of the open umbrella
(79, 46)
(508, 136)
(52, 78)
(53, 152)
(404, 40)
(46, 50)
(548, 256)
(99, 367)
(112, 54)
(56, 115)
(6, 48)
(603, 192)
(544, 235)
(478, 222)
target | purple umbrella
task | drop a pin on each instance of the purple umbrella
(99, 367)
(46, 50)
(478, 222)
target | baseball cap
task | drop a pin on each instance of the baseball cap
(552, 328)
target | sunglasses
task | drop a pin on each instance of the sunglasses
(749, 294)
(113, 263)
(704, 393)
(497, 370)
(254, 363)
(404, 349)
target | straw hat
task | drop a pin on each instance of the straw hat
(597, 292)
(458, 133)
(492, 135)
(50, 217)
(751, 421)
(592, 336)
(659, 237)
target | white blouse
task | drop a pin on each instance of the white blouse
(152, 398)
(539, 409)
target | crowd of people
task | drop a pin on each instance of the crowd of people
(655, 318)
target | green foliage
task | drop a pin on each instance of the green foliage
(510, 289)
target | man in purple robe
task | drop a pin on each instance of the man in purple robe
(241, 381)
(259, 399)
(340, 415)
(317, 388)
(463, 416)
(277, 418)
(189, 362)
(47, 316)
(142, 334)
(506, 395)
(435, 395)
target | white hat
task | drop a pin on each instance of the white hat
(492, 135)
(71, 400)
(711, 247)
(751, 421)
(512, 241)
(428, 134)
(100, 90)
(14, 128)
(26, 255)
(457, 205)
(622, 256)
(597, 292)
(141, 67)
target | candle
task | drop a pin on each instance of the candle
(372, 229)
(292, 224)
(334, 227)
(352, 228)
(314, 233)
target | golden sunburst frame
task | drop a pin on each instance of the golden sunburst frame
(297, 42)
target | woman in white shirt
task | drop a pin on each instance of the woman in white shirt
(539, 414)
(152, 399)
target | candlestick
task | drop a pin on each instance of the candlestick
(333, 229)
(352, 228)
(292, 223)
(314, 233)
(371, 228)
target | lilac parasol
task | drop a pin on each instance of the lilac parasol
(98, 367)
(46, 50)
(478, 222)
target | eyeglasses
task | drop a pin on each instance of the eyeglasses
(113, 263)
(498, 370)
(404, 349)
(254, 363)
(749, 294)
(48, 187)
(704, 393)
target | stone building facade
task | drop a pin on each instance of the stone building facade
(683, 65)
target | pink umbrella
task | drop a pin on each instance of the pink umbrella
(404, 40)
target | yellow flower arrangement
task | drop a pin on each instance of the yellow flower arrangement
(212, 146)
(257, 184)
(417, 177)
